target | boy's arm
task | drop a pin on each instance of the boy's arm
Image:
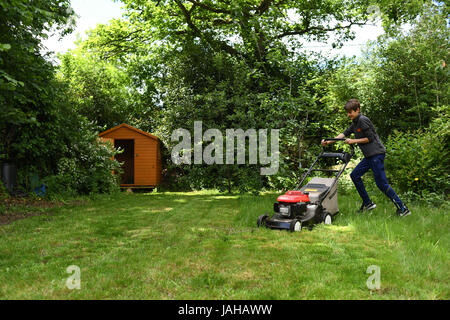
(361, 141)
(348, 141)
(366, 126)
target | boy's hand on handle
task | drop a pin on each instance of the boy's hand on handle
(326, 142)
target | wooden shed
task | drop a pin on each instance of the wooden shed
(141, 157)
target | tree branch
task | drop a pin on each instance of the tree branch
(209, 8)
(222, 45)
(317, 28)
(264, 6)
(218, 22)
(188, 18)
(124, 38)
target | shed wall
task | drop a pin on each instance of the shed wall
(147, 163)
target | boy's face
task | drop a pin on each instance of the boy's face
(352, 114)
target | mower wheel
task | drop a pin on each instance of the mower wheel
(327, 219)
(296, 226)
(262, 220)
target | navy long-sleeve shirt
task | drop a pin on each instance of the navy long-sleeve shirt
(362, 127)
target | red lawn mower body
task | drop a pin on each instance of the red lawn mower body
(293, 197)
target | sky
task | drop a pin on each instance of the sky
(92, 12)
(363, 34)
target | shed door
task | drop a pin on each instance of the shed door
(127, 158)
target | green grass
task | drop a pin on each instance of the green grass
(204, 245)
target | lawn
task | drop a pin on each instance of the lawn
(205, 245)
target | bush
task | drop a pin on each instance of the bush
(86, 169)
(418, 161)
(3, 192)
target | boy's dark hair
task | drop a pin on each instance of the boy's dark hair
(352, 104)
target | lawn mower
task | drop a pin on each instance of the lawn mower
(313, 203)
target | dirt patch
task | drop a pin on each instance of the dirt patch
(12, 209)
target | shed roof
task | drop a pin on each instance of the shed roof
(124, 125)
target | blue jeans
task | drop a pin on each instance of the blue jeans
(376, 163)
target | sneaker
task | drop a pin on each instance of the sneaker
(403, 212)
(367, 207)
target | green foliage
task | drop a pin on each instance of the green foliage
(98, 90)
(40, 128)
(417, 162)
(399, 77)
(3, 192)
(258, 28)
(86, 168)
(65, 141)
(224, 93)
(25, 75)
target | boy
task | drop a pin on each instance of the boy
(374, 153)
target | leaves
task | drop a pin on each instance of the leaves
(399, 78)
(5, 46)
(416, 160)
(98, 90)
(25, 75)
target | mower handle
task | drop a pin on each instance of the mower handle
(344, 156)
(352, 147)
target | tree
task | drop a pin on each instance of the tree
(39, 129)
(25, 75)
(249, 30)
(99, 91)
